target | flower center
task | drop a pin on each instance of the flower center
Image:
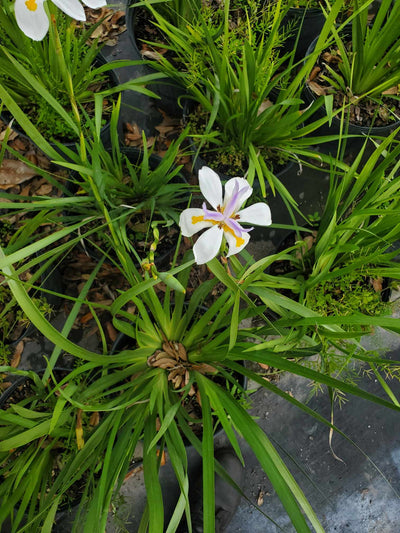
(31, 5)
(221, 224)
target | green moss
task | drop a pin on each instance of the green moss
(5, 354)
(6, 231)
(12, 318)
(346, 295)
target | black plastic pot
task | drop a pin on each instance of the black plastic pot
(305, 24)
(71, 145)
(199, 161)
(170, 92)
(19, 382)
(284, 266)
(334, 128)
(135, 156)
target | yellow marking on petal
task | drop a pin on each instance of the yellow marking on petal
(239, 240)
(31, 5)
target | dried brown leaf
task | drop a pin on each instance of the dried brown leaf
(80, 442)
(14, 172)
(315, 71)
(16, 358)
(133, 472)
(317, 89)
(392, 90)
(11, 136)
(94, 419)
(163, 457)
(86, 318)
(265, 104)
(377, 284)
(44, 189)
(151, 55)
(20, 144)
(112, 332)
(331, 58)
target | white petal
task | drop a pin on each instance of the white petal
(188, 223)
(34, 21)
(210, 186)
(258, 214)
(243, 184)
(236, 244)
(72, 8)
(95, 4)
(207, 245)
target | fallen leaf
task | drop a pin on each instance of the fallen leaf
(260, 499)
(86, 318)
(94, 419)
(133, 472)
(151, 55)
(384, 114)
(16, 358)
(163, 457)
(98, 32)
(112, 332)
(44, 189)
(377, 284)
(265, 104)
(163, 129)
(330, 58)
(20, 144)
(25, 190)
(317, 89)
(392, 90)
(264, 366)
(11, 135)
(13, 172)
(314, 72)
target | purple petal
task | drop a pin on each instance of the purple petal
(236, 227)
(231, 201)
(212, 215)
(236, 197)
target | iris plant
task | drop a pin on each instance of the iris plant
(226, 220)
(33, 20)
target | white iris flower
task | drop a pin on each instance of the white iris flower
(226, 220)
(33, 20)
